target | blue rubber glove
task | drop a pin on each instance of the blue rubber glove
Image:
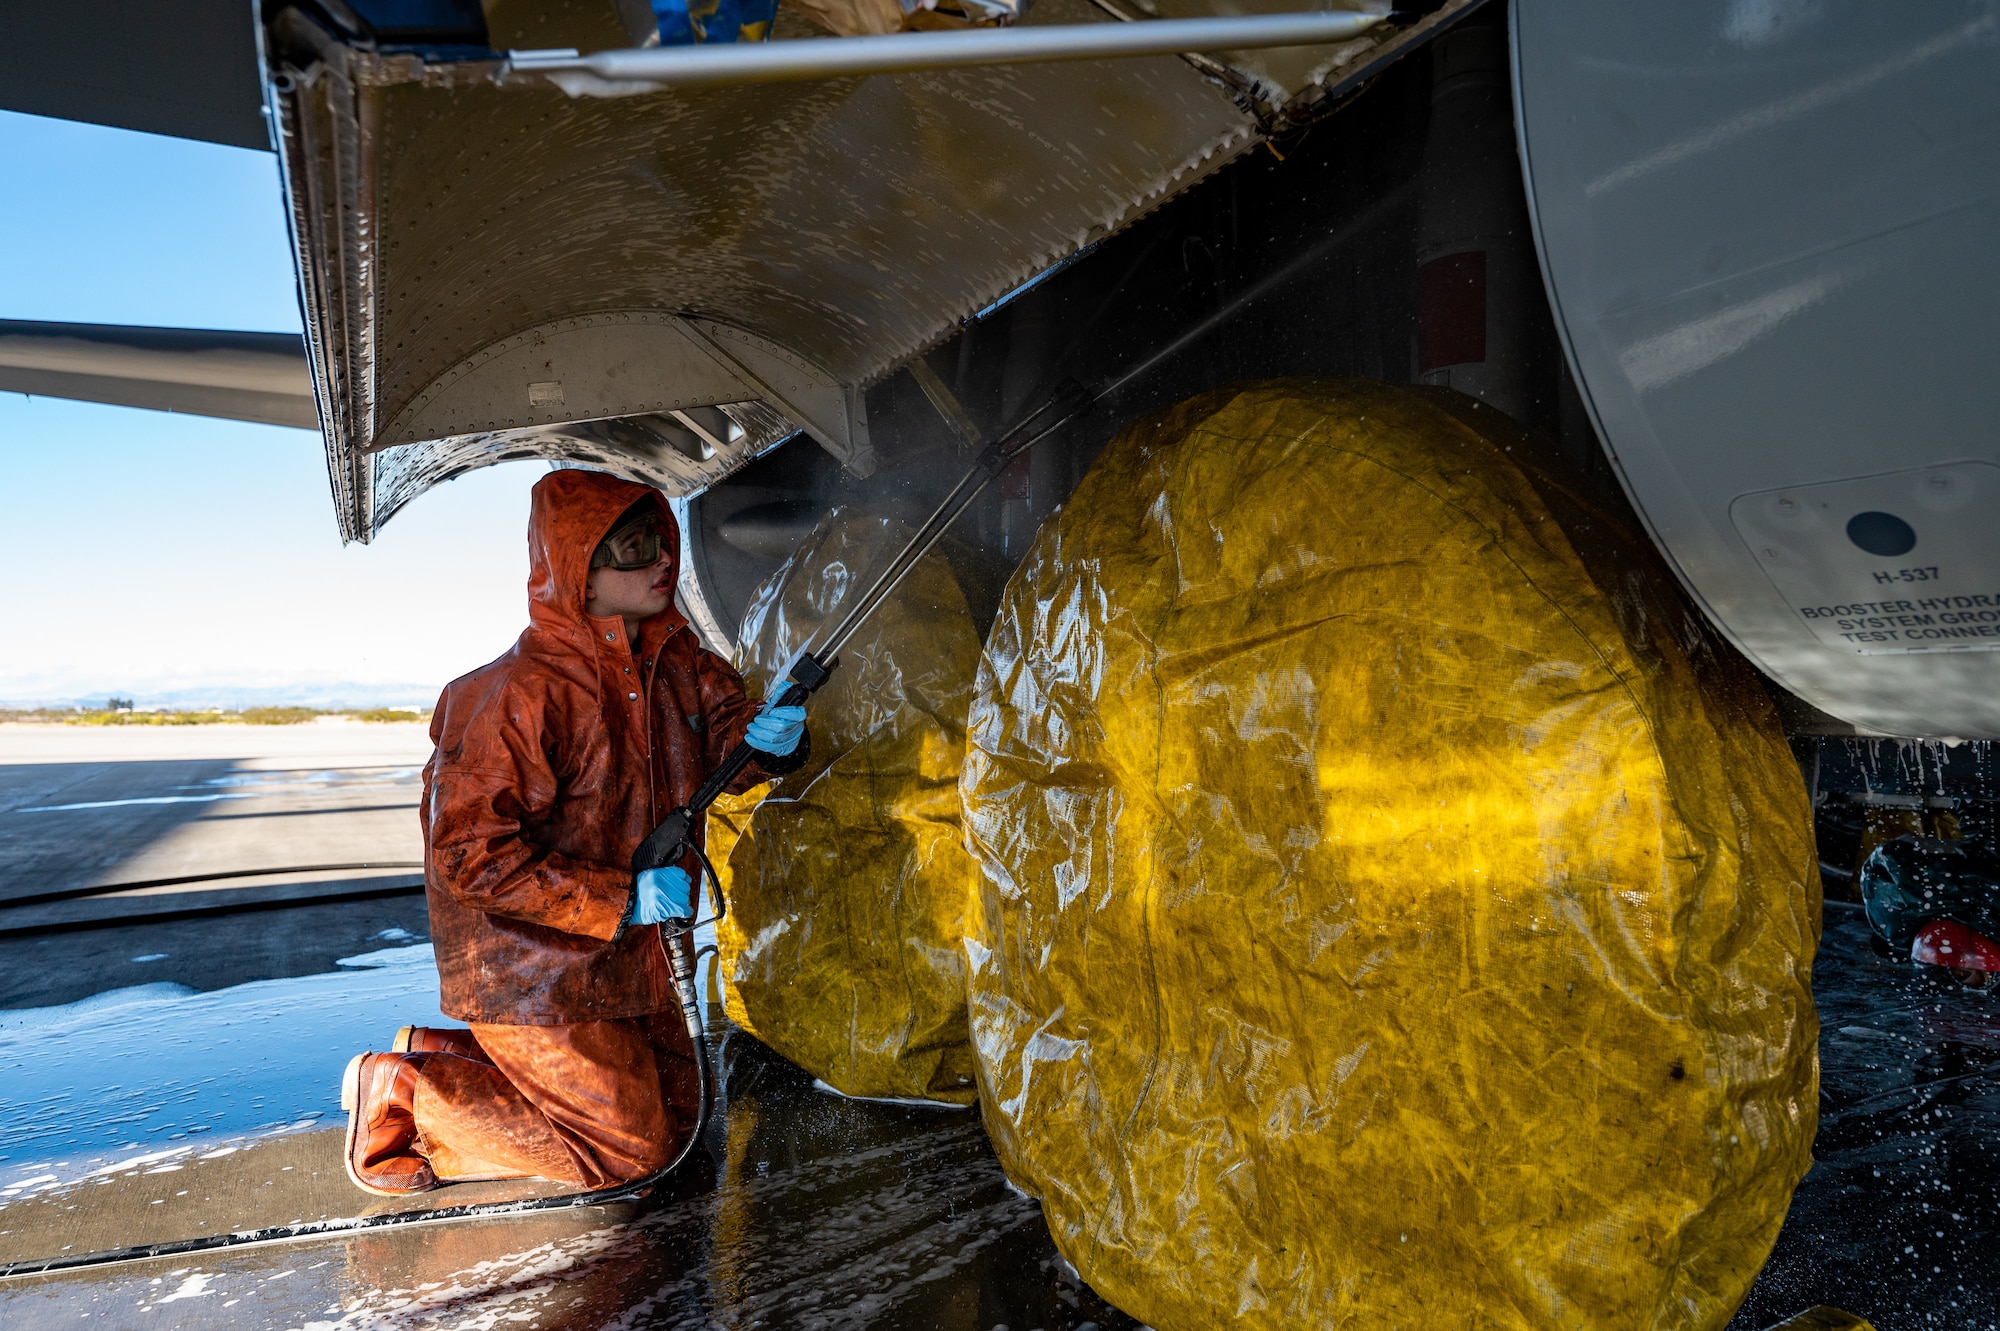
(776, 730)
(659, 895)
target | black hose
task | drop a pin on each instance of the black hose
(714, 890)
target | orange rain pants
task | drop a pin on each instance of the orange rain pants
(591, 1103)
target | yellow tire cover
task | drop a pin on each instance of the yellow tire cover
(1394, 912)
(848, 880)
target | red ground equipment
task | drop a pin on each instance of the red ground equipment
(1971, 957)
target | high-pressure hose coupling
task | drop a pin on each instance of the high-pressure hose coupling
(680, 961)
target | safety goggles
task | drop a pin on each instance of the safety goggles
(634, 545)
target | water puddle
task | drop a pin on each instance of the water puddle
(146, 1078)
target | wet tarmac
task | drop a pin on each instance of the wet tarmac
(1899, 1219)
(809, 1210)
(814, 1211)
(84, 807)
(91, 805)
(206, 1099)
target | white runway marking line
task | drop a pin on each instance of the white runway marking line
(151, 799)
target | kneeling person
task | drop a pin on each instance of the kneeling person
(551, 765)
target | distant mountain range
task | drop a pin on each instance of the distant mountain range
(230, 699)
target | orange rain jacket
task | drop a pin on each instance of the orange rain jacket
(551, 765)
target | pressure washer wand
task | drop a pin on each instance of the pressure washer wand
(1068, 400)
(673, 839)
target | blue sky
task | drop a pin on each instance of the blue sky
(148, 553)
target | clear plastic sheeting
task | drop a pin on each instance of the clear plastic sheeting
(847, 881)
(1394, 912)
(1909, 881)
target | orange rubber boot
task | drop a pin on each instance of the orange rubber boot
(377, 1092)
(439, 1040)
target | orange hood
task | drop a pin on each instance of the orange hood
(570, 512)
